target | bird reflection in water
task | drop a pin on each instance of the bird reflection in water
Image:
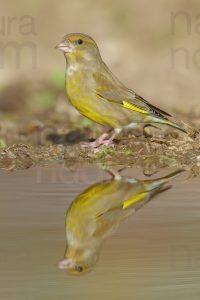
(98, 211)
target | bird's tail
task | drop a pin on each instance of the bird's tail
(154, 184)
(191, 131)
(175, 125)
(151, 188)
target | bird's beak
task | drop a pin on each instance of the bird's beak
(65, 47)
(66, 264)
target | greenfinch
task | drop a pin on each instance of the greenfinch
(96, 213)
(98, 95)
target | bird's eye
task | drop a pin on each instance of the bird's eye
(79, 268)
(79, 41)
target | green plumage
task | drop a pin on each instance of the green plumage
(97, 94)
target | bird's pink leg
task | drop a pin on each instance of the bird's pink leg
(109, 142)
(104, 140)
(99, 141)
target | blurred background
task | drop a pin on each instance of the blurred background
(153, 47)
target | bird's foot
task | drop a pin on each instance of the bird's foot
(103, 140)
(115, 174)
(108, 143)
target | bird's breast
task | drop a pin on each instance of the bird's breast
(80, 89)
(78, 85)
(81, 92)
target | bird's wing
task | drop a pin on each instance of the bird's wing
(108, 89)
(107, 221)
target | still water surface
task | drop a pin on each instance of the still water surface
(152, 253)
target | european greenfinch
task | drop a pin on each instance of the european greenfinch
(97, 212)
(98, 95)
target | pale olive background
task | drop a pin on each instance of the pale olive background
(136, 39)
(154, 255)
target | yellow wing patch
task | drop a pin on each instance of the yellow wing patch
(134, 200)
(134, 107)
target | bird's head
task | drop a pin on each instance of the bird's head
(79, 261)
(79, 47)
